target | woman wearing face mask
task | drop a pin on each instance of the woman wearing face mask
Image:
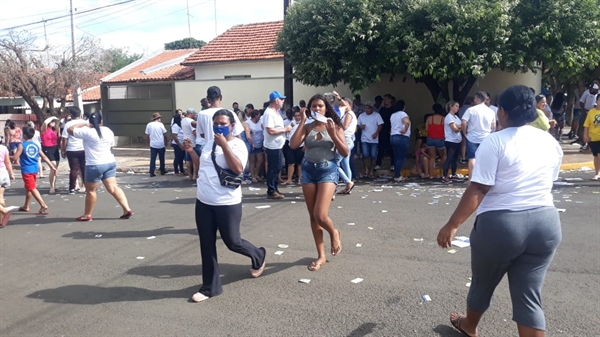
(219, 207)
(100, 164)
(50, 136)
(321, 139)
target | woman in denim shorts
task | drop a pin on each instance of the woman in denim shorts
(436, 136)
(100, 164)
(321, 139)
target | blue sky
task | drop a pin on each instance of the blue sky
(141, 26)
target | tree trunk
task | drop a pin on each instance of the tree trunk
(35, 108)
(570, 103)
(435, 89)
(460, 94)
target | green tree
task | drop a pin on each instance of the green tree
(113, 59)
(187, 43)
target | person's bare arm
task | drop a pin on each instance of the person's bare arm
(406, 123)
(347, 120)
(463, 124)
(17, 153)
(9, 167)
(76, 126)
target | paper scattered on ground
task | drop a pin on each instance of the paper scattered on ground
(384, 211)
(253, 189)
(573, 179)
(468, 284)
(151, 237)
(359, 245)
(11, 208)
(426, 298)
(340, 207)
(98, 235)
(371, 228)
(461, 241)
(452, 251)
(350, 224)
(279, 252)
(304, 280)
(293, 202)
(140, 257)
(357, 280)
(263, 206)
(282, 245)
(418, 239)
(562, 183)
(561, 210)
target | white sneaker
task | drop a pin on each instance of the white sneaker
(199, 297)
(377, 167)
(392, 168)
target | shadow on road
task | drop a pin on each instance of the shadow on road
(88, 294)
(130, 234)
(363, 330)
(24, 219)
(447, 331)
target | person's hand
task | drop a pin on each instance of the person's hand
(339, 98)
(552, 123)
(303, 116)
(586, 139)
(403, 132)
(288, 128)
(12, 176)
(63, 154)
(53, 169)
(362, 127)
(220, 140)
(374, 136)
(445, 236)
(330, 126)
(188, 146)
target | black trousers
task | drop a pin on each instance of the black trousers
(76, 163)
(227, 220)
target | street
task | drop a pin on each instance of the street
(112, 277)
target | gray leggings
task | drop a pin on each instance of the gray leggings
(521, 244)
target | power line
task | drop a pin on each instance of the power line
(64, 16)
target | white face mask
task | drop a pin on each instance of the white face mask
(318, 117)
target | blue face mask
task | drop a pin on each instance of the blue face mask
(224, 130)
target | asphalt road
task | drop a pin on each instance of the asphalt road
(60, 277)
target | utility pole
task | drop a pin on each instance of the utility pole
(215, 2)
(77, 90)
(187, 3)
(288, 81)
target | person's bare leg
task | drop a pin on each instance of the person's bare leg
(425, 162)
(190, 169)
(310, 197)
(443, 156)
(596, 164)
(469, 322)
(432, 153)
(52, 178)
(471, 165)
(463, 149)
(111, 187)
(252, 160)
(36, 194)
(299, 173)
(525, 331)
(91, 195)
(290, 174)
(40, 168)
(28, 196)
(2, 202)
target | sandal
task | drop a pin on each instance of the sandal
(5, 219)
(314, 266)
(455, 319)
(127, 215)
(43, 211)
(596, 178)
(337, 250)
(84, 218)
(23, 209)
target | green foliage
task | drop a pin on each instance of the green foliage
(187, 43)
(114, 59)
(437, 42)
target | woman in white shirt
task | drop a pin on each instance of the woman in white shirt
(257, 155)
(350, 122)
(218, 205)
(517, 229)
(100, 164)
(177, 144)
(400, 138)
(453, 140)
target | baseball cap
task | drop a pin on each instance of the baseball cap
(275, 94)
(595, 86)
(213, 92)
(368, 103)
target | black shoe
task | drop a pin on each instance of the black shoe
(71, 191)
(162, 173)
(152, 175)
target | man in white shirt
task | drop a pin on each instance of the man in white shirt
(273, 143)
(478, 122)
(156, 138)
(72, 148)
(187, 127)
(586, 103)
(370, 123)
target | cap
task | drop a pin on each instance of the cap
(275, 94)
(156, 116)
(213, 92)
(369, 103)
(595, 86)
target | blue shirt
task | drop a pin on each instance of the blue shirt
(29, 157)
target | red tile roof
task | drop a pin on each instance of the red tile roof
(240, 43)
(141, 70)
(88, 95)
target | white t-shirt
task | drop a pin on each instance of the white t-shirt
(97, 150)
(188, 129)
(256, 129)
(156, 131)
(272, 119)
(205, 125)
(177, 130)
(588, 100)
(209, 190)
(371, 123)
(73, 144)
(37, 138)
(451, 136)
(351, 130)
(397, 124)
(520, 164)
(479, 120)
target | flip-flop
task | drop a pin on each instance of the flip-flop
(337, 250)
(314, 266)
(127, 215)
(21, 209)
(456, 324)
(596, 178)
(84, 218)
(5, 219)
(43, 211)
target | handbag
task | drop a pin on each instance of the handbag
(227, 177)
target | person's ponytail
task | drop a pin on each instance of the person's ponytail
(95, 120)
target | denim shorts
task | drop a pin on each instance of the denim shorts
(471, 149)
(197, 149)
(437, 143)
(316, 173)
(97, 173)
(369, 150)
(258, 150)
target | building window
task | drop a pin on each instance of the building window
(139, 92)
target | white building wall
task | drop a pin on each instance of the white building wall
(256, 69)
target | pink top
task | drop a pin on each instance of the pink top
(49, 138)
(3, 154)
(15, 135)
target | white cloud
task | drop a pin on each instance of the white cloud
(142, 25)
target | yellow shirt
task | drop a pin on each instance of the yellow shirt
(593, 123)
(541, 122)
